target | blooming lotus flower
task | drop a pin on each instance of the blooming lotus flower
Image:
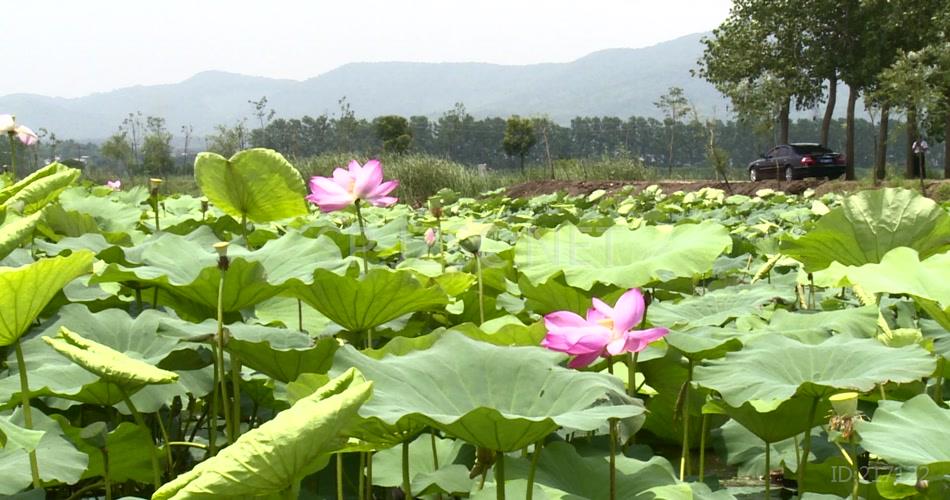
(605, 331)
(430, 237)
(8, 125)
(346, 187)
(114, 185)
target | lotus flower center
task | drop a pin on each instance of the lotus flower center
(607, 323)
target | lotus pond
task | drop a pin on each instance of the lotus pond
(274, 341)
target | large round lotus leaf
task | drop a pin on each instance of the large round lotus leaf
(774, 368)
(426, 478)
(900, 272)
(52, 374)
(784, 421)
(14, 233)
(359, 304)
(25, 291)
(563, 473)
(109, 364)
(276, 352)
(59, 460)
(187, 267)
(620, 256)
(870, 224)
(39, 188)
(706, 342)
(128, 444)
(718, 307)
(915, 433)
(501, 398)
(17, 437)
(275, 456)
(258, 183)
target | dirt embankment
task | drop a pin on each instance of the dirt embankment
(534, 188)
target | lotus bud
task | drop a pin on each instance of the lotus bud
(204, 206)
(430, 237)
(435, 207)
(473, 243)
(154, 184)
(845, 404)
(222, 248)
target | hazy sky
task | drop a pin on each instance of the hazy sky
(73, 48)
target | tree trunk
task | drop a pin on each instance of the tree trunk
(829, 109)
(880, 156)
(849, 140)
(783, 121)
(946, 147)
(910, 170)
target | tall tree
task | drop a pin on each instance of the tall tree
(395, 133)
(157, 158)
(674, 105)
(519, 138)
(118, 149)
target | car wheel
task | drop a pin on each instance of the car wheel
(789, 174)
(754, 174)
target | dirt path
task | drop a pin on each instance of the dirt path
(534, 188)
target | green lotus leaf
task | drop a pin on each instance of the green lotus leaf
(276, 352)
(36, 190)
(58, 458)
(448, 477)
(34, 196)
(257, 183)
(786, 420)
(25, 291)
(52, 374)
(620, 256)
(854, 321)
(870, 224)
(253, 276)
(274, 457)
(913, 433)
(15, 232)
(109, 364)
(706, 342)
(15, 437)
(358, 304)
(563, 473)
(900, 272)
(111, 214)
(719, 306)
(772, 369)
(501, 398)
(127, 445)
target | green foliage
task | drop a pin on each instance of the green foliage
(394, 132)
(257, 183)
(519, 138)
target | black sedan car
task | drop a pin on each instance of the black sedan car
(798, 161)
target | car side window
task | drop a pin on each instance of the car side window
(774, 152)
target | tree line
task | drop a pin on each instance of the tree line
(772, 56)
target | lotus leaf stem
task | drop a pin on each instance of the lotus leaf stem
(938, 384)
(768, 469)
(365, 250)
(360, 483)
(27, 409)
(806, 446)
(613, 459)
(684, 457)
(500, 476)
(435, 456)
(438, 222)
(406, 484)
(79, 493)
(188, 444)
(236, 394)
(702, 447)
(529, 495)
(369, 475)
(168, 448)
(156, 471)
(481, 289)
(339, 476)
(632, 374)
(219, 361)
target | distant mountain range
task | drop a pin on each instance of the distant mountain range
(614, 82)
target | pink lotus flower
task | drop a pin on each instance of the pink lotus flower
(115, 185)
(8, 125)
(430, 237)
(606, 330)
(347, 186)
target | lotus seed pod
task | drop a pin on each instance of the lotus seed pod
(845, 404)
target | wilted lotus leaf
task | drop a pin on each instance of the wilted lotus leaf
(107, 363)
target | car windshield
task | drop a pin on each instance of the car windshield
(810, 149)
